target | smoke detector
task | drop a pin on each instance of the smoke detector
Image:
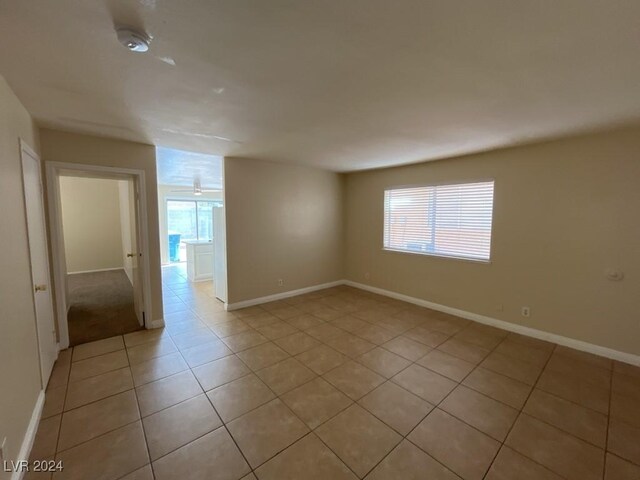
(133, 40)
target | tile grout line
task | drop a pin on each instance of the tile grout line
(144, 432)
(606, 439)
(224, 425)
(204, 392)
(353, 359)
(64, 403)
(311, 431)
(356, 402)
(139, 419)
(200, 317)
(532, 386)
(520, 413)
(435, 407)
(278, 397)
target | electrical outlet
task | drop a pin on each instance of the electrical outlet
(280, 282)
(367, 276)
(525, 312)
(500, 307)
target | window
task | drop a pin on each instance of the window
(192, 220)
(181, 218)
(443, 220)
(205, 220)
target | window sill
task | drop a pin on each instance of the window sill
(435, 255)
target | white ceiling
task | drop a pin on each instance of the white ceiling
(340, 84)
(177, 167)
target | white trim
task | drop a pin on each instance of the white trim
(58, 259)
(438, 255)
(27, 151)
(206, 278)
(157, 323)
(460, 181)
(27, 148)
(494, 322)
(279, 296)
(511, 327)
(95, 271)
(143, 235)
(81, 167)
(30, 434)
(53, 171)
(221, 253)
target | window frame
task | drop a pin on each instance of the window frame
(487, 261)
(178, 199)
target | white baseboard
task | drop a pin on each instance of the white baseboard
(494, 322)
(279, 296)
(30, 435)
(95, 271)
(511, 327)
(157, 323)
(203, 278)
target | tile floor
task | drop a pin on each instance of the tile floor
(336, 384)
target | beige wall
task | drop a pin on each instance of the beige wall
(165, 193)
(564, 212)
(57, 146)
(283, 221)
(91, 223)
(20, 372)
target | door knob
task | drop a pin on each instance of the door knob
(40, 288)
(131, 255)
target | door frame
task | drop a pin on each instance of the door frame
(53, 172)
(27, 150)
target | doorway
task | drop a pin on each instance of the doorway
(99, 250)
(192, 227)
(98, 229)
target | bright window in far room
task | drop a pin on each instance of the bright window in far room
(188, 220)
(441, 220)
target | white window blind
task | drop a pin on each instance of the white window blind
(443, 220)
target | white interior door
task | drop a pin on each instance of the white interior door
(130, 242)
(45, 326)
(125, 227)
(136, 260)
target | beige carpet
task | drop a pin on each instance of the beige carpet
(101, 306)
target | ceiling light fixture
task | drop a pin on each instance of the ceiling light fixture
(133, 40)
